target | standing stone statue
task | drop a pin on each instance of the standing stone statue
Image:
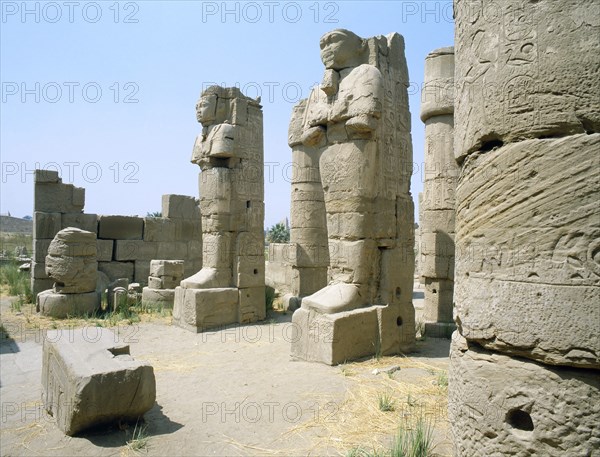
(437, 208)
(230, 287)
(359, 124)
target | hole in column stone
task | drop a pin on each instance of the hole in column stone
(491, 143)
(248, 204)
(519, 419)
(398, 292)
(399, 321)
(434, 291)
(256, 271)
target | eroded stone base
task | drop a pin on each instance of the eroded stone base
(61, 306)
(198, 310)
(500, 405)
(340, 337)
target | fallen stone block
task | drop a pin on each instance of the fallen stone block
(89, 379)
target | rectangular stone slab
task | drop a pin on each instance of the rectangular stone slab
(89, 379)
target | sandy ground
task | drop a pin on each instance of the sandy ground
(234, 391)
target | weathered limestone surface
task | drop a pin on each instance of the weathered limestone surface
(440, 176)
(500, 405)
(526, 70)
(71, 263)
(230, 287)
(308, 251)
(529, 243)
(89, 378)
(527, 230)
(165, 275)
(351, 204)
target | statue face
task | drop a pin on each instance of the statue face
(339, 48)
(206, 109)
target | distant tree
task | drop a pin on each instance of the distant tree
(27, 218)
(278, 233)
(154, 214)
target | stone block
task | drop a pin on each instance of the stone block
(158, 298)
(439, 300)
(217, 250)
(198, 310)
(39, 285)
(438, 221)
(194, 249)
(38, 270)
(334, 338)
(180, 207)
(308, 214)
(352, 260)
(141, 271)
(527, 257)
(120, 227)
(249, 271)
(500, 405)
(159, 229)
(307, 281)
(252, 305)
(136, 250)
(116, 270)
(187, 230)
(58, 198)
(87, 222)
(172, 250)
(160, 268)
(46, 225)
(60, 306)
(46, 176)
(91, 379)
(104, 250)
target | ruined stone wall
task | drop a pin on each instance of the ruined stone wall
(125, 244)
(441, 173)
(524, 373)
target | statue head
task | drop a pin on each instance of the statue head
(341, 49)
(206, 108)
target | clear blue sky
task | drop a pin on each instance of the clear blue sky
(106, 91)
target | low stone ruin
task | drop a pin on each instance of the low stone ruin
(89, 379)
(230, 287)
(125, 244)
(351, 144)
(165, 276)
(72, 265)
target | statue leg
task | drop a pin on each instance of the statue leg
(215, 207)
(348, 172)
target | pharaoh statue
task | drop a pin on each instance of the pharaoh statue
(358, 123)
(229, 151)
